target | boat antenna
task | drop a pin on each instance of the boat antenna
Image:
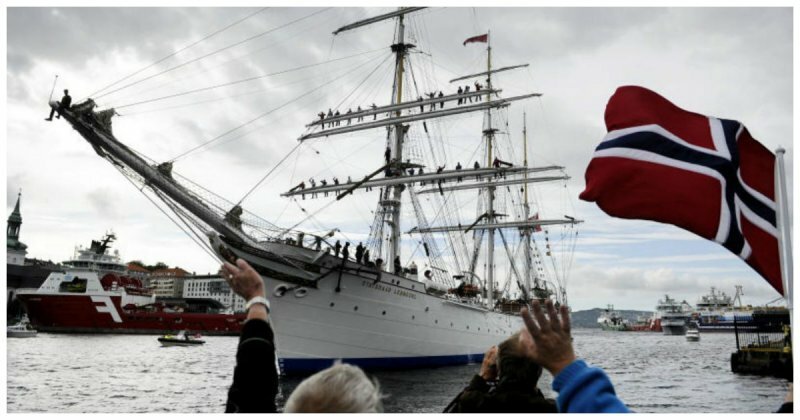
(53, 89)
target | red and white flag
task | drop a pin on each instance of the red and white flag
(707, 175)
(478, 38)
(537, 228)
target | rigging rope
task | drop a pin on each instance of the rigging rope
(199, 243)
(249, 79)
(263, 115)
(362, 82)
(215, 52)
(269, 173)
(218, 31)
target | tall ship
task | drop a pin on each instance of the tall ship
(674, 316)
(611, 320)
(381, 310)
(94, 295)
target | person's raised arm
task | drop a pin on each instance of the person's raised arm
(581, 389)
(548, 341)
(255, 377)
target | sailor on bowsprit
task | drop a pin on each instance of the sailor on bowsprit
(61, 105)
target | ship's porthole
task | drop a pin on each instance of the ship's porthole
(301, 292)
(280, 290)
(383, 313)
(426, 309)
(413, 317)
(413, 287)
(451, 324)
(332, 304)
(467, 326)
(436, 321)
(355, 308)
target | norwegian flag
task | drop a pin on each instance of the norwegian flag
(707, 175)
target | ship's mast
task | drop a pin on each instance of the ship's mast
(392, 206)
(489, 135)
(527, 232)
(391, 198)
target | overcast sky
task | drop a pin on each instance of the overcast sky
(732, 63)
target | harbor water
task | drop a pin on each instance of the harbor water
(131, 373)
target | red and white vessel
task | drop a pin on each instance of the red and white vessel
(95, 295)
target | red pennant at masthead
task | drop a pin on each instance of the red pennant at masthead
(706, 175)
(478, 38)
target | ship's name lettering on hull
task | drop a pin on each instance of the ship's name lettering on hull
(387, 289)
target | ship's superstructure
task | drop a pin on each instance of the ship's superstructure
(611, 320)
(674, 316)
(94, 294)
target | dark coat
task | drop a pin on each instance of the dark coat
(509, 396)
(255, 377)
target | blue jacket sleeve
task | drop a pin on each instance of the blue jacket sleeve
(584, 389)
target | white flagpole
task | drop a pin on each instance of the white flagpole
(784, 231)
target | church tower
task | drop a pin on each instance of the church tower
(16, 250)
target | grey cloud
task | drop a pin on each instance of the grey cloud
(13, 185)
(104, 202)
(76, 35)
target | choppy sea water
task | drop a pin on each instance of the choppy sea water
(129, 373)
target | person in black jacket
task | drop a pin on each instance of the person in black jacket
(255, 377)
(515, 390)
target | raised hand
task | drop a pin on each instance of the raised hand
(243, 279)
(546, 337)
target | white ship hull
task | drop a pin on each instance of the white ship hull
(389, 323)
(674, 326)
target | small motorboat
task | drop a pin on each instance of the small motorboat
(693, 333)
(180, 339)
(22, 329)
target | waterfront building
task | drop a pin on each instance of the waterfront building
(136, 271)
(168, 282)
(212, 286)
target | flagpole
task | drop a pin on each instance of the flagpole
(784, 232)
